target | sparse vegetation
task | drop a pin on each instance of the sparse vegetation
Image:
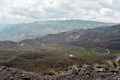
(38, 62)
(82, 53)
(103, 51)
(115, 51)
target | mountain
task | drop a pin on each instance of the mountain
(105, 37)
(68, 55)
(17, 32)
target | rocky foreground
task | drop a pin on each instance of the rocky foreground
(85, 72)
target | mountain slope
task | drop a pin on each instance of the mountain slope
(106, 37)
(17, 32)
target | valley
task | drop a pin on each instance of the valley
(53, 54)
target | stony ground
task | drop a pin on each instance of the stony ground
(86, 72)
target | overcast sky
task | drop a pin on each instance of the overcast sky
(16, 11)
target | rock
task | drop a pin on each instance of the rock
(74, 73)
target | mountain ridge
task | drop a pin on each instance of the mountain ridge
(105, 37)
(18, 32)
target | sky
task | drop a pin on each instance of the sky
(19, 11)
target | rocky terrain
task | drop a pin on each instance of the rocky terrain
(86, 72)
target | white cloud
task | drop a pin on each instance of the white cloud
(12, 11)
(105, 11)
(110, 1)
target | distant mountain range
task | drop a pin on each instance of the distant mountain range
(17, 32)
(104, 37)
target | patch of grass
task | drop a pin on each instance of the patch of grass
(55, 46)
(96, 50)
(115, 51)
(89, 48)
(82, 53)
(36, 49)
(78, 50)
(101, 51)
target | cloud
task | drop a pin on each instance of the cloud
(15, 11)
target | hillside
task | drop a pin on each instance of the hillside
(17, 32)
(103, 37)
(106, 37)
